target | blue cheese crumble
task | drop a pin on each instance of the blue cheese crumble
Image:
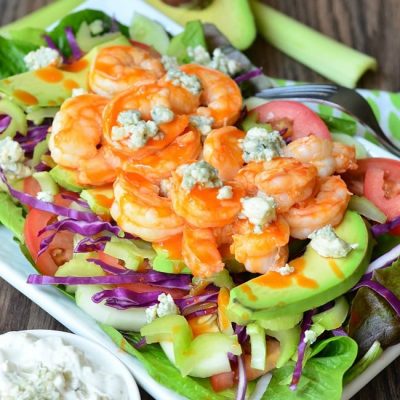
(135, 131)
(260, 210)
(166, 306)
(327, 244)
(261, 145)
(12, 158)
(225, 193)
(161, 115)
(202, 123)
(169, 62)
(310, 337)
(218, 60)
(78, 92)
(201, 173)
(42, 57)
(190, 82)
(285, 270)
(45, 196)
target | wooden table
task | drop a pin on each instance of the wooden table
(371, 26)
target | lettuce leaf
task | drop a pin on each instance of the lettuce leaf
(11, 216)
(75, 20)
(322, 375)
(161, 369)
(12, 54)
(192, 36)
(371, 317)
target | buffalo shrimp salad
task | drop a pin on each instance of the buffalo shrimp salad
(235, 247)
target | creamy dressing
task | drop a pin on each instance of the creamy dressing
(34, 368)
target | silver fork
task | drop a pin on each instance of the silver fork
(346, 100)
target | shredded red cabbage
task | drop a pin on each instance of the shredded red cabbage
(76, 51)
(200, 313)
(248, 75)
(76, 199)
(190, 301)
(177, 281)
(88, 244)
(83, 216)
(339, 332)
(140, 344)
(101, 280)
(241, 333)
(84, 228)
(381, 229)
(298, 369)
(5, 121)
(42, 167)
(34, 136)
(387, 294)
(52, 45)
(242, 384)
(385, 260)
(122, 298)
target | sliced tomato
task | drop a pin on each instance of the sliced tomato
(295, 116)
(374, 190)
(223, 381)
(60, 249)
(31, 186)
(378, 179)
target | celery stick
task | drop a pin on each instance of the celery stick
(44, 16)
(332, 59)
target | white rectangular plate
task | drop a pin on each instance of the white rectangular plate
(14, 268)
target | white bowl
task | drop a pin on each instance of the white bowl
(96, 354)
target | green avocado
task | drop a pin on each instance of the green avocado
(66, 178)
(99, 199)
(233, 18)
(51, 87)
(316, 279)
(163, 263)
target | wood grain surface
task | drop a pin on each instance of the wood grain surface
(371, 26)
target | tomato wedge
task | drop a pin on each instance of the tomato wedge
(223, 381)
(378, 179)
(302, 120)
(60, 249)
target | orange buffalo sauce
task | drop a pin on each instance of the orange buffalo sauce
(25, 97)
(70, 84)
(335, 268)
(77, 66)
(49, 74)
(173, 246)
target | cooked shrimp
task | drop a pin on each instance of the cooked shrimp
(200, 206)
(287, 180)
(328, 206)
(220, 98)
(140, 210)
(160, 165)
(222, 150)
(345, 157)
(314, 150)
(118, 68)
(223, 234)
(200, 252)
(76, 136)
(142, 99)
(261, 251)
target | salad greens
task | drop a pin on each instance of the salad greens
(371, 317)
(12, 216)
(12, 54)
(322, 374)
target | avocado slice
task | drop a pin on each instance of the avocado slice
(168, 257)
(66, 178)
(233, 18)
(50, 87)
(316, 279)
(99, 199)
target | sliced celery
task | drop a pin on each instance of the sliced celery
(332, 59)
